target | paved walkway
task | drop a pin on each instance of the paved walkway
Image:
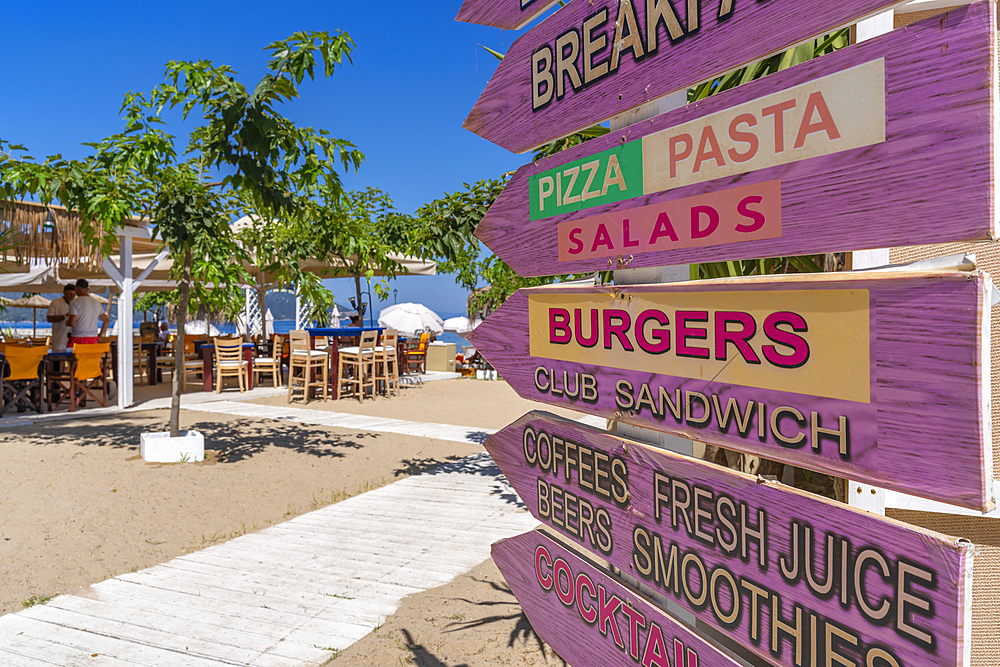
(470, 434)
(287, 595)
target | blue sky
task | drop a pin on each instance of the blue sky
(416, 74)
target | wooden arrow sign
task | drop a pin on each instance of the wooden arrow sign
(873, 376)
(593, 619)
(597, 59)
(506, 14)
(791, 576)
(858, 163)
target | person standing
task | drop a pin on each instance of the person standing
(57, 314)
(86, 317)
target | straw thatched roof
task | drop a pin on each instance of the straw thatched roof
(29, 241)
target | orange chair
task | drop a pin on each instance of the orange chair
(90, 374)
(416, 354)
(22, 387)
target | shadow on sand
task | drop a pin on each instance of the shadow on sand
(233, 441)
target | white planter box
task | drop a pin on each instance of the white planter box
(188, 447)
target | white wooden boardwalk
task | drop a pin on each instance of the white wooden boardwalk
(470, 434)
(286, 595)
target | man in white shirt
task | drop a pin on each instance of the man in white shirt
(57, 313)
(86, 317)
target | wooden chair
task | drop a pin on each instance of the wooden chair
(40, 341)
(229, 361)
(416, 354)
(22, 388)
(312, 363)
(271, 364)
(386, 363)
(360, 363)
(90, 374)
(139, 365)
(165, 358)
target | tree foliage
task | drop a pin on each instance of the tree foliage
(264, 157)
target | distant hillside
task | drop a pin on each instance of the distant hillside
(282, 305)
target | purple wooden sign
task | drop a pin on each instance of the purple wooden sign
(597, 59)
(588, 616)
(866, 134)
(793, 577)
(506, 14)
(873, 376)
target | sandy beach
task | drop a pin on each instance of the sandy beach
(81, 506)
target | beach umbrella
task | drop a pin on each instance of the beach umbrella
(200, 328)
(268, 324)
(335, 317)
(35, 301)
(461, 325)
(410, 319)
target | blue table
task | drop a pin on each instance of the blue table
(341, 333)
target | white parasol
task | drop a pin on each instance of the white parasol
(200, 328)
(410, 319)
(35, 302)
(461, 325)
(268, 324)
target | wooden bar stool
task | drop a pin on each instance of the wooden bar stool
(360, 363)
(313, 364)
(386, 362)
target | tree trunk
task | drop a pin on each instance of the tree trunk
(357, 288)
(262, 303)
(182, 312)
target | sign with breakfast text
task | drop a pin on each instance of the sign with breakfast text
(845, 151)
(593, 60)
(590, 617)
(505, 14)
(860, 375)
(782, 572)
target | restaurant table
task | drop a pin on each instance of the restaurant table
(54, 368)
(335, 335)
(152, 350)
(208, 354)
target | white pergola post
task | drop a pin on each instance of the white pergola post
(127, 284)
(302, 308)
(126, 377)
(253, 318)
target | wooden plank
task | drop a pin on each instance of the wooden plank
(864, 184)
(609, 61)
(745, 555)
(134, 652)
(315, 606)
(236, 605)
(504, 14)
(605, 624)
(873, 376)
(196, 604)
(171, 632)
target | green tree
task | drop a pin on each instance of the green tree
(362, 233)
(269, 160)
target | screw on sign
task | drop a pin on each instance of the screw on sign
(858, 375)
(787, 574)
(844, 151)
(597, 59)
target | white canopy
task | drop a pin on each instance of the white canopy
(410, 319)
(201, 328)
(461, 325)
